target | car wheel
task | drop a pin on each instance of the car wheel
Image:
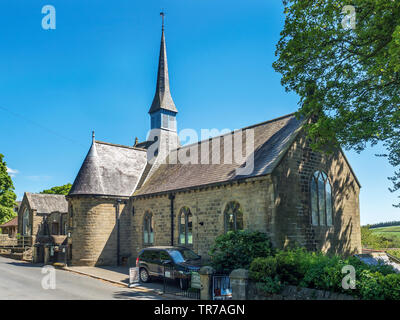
(144, 275)
(183, 284)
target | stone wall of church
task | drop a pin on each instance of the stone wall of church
(207, 207)
(94, 230)
(293, 219)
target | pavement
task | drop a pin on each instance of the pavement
(118, 275)
(21, 280)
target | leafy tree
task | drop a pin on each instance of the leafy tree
(7, 195)
(59, 190)
(237, 249)
(348, 79)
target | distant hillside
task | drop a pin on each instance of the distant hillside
(384, 224)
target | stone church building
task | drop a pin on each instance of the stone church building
(125, 198)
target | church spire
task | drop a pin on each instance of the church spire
(162, 98)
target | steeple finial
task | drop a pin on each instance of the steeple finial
(162, 14)
(93, 136)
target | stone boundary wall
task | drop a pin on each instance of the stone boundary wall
(295, 293)
(243, 288)
(6, 241)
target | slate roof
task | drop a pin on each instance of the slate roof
(271, 140)
(162, 98)
(12, 223)
(47, 203)
(110, 169)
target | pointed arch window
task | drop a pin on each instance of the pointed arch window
(185, 226)
(148, 229)
(26, 227)
(321, 199)
(233, 216)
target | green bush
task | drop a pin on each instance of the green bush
(264, 272)
(370, 285)
(263, 267)
(270, 285)
(391, 287)
(292, 264)
(315, 270)
(238, 249)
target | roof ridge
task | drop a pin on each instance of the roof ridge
(233, 131)
(46, 194)
(119, 145)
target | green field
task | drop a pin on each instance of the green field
(392, 232)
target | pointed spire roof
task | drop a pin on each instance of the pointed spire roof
(162, 98)
(88, 180)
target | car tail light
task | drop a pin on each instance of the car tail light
(137, 262)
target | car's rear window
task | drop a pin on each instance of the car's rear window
(182, 255)
(150, 255)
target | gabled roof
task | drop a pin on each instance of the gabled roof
(162, 98)
(12, 223)
(110, 169)
(271, 140)
(47, 203)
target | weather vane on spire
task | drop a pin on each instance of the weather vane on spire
(162, 14)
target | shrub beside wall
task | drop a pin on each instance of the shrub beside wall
(235, 250)
(276, 270)
(301, 268)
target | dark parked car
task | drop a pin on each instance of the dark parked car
(178, 263)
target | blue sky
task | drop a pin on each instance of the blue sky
(97, 71)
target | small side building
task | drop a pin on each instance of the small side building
(40, 216)
(10, 228)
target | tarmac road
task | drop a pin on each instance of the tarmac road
(23, 281)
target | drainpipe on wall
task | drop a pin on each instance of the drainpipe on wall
(117, 225)
(172, 197)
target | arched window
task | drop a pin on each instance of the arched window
(26, 228)
(148, 229)
(321, 199)
(233, 216)
(185, 226)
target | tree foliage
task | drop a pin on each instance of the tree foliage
(236, 249)
(348, 79)
(7, 195)
(384, 224)
(371, 240)
(59, 189)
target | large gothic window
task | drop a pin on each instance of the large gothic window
(321, 199)
(148, 229)
(233, 216)
(185, 226)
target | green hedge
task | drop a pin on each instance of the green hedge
(316, 270)
(272, 269)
